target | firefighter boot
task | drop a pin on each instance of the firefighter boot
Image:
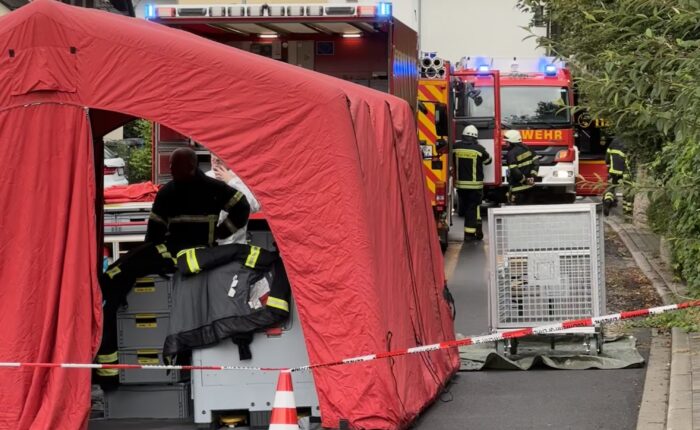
(479, 232)
(607, 204)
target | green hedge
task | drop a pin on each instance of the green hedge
(637, 63)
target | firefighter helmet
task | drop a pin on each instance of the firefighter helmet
(513, 136)
(470, 131)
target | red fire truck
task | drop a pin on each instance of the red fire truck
(359, 42)
(592, 142)
(534, 96)
(435, 138)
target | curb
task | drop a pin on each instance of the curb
(680, 397)
(679, 412)
(652, 411)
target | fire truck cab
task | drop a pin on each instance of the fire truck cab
(535, 97)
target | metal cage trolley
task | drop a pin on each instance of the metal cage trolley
(547, 264)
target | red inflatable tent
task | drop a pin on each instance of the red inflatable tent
(336, 167)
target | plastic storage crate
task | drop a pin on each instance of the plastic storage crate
(142, 331)
(150, 294)
(252, 391)
(149, 401)
(145, 357)
(546, 264)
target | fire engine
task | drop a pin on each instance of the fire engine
(435, 138)
(359, 42)
(591, 141)
(533, 96)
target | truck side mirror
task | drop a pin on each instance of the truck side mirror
(442, 126)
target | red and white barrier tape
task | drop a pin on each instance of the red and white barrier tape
(513, 334)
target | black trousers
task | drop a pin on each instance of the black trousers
(118, 280)
(523, 197)
(470, 200)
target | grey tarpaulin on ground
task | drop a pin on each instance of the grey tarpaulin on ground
(569, 354)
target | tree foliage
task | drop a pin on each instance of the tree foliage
(637, 63)
(139, 160)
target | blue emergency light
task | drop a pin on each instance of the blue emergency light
(484, 68)
(384, 10)
(550, 70)
(150, 11)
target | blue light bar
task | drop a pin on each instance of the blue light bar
(150, 11)
(550, 70)
(384, 10)
(483, 68)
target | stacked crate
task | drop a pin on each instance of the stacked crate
(142, 328)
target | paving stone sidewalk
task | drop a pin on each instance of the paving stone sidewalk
(683, 411)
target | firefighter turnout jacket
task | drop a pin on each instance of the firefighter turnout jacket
(616, 159)
(470, 158)
(522, 165)
(186, 214)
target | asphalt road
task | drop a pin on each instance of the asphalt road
(534, 399)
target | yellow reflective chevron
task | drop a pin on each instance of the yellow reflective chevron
(155, 217)
(252, 259)
(192, 262)
(520, 188)
(235, 199)
(523, 164)
(617, 152)
(114, 271)
(274, 302)
(466, 153)
(524, 155)
(108, 358)
(469, 185)
(108, 372)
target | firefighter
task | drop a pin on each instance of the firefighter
(186, 210)
(522, 169)
(469, 160)
(618, 172)
(184, 215)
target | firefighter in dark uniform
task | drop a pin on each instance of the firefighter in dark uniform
(469, 160)
(522, 169)
(184, 215)
(618, 172)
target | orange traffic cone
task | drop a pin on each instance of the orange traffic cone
(284, 411)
